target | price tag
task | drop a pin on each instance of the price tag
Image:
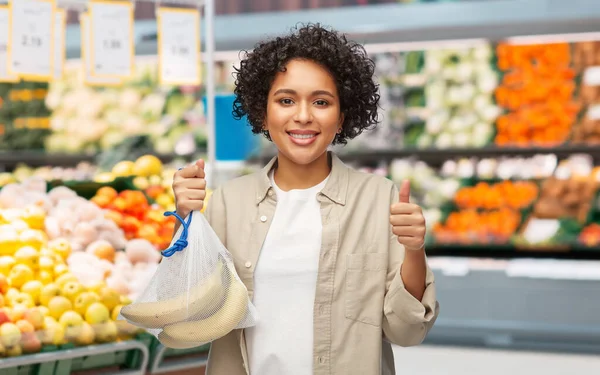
(591, 76)
(112, 47)
(179, 46)
(4, 32)
(31, 44)
(60, 20)
(90, 79)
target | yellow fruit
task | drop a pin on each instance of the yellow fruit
(83, 300)
(71, 290)
(11, 293)
(96, 287)
(60, 246)
(48, 292)
(164, 200)
(147, 165)
(9, 242)
(104, 177)
(33, 238)
(125, 300)
(97, 313)
(6, 264)
(115, 312)
(123, 168)
(60, 269)
(45, 277)
(64, 278)
(34, 289)
(46, 263)
(106, 332)
(45, 311)
(86, 335)
(19, 275)
(10, 334)
(28, 256)
(59, 305)
(72, 322)
(34, 216)
(109, 298)
(141, 183)
(155, 180)
(23, 299)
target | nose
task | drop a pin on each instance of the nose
(303, 114)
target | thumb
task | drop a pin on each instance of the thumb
(405, 191)
(200, 168)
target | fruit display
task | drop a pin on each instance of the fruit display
(88, 119)
(506, 194)
(537, 91)
(132, 212)
(459, 98)
(472, 227)
(566, 198)
(590, 235)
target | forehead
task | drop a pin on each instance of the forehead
(304, 76)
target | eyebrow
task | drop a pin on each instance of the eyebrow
(293, 92)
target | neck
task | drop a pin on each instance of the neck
(290, 175)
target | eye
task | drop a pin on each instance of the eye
(286, 101)
(321, 102)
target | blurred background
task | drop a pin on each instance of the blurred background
(490, 107)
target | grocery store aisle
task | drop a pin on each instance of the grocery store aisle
(435, 360)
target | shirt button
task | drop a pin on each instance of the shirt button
(248, 264)
(263, 218)
(270, 193)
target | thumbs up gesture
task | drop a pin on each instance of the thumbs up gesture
(189, 188)
(408, 222)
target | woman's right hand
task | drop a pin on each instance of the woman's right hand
(189, 188)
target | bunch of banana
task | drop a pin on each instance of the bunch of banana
(217, 325)
(202, 300)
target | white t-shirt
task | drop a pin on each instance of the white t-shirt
(285, 280)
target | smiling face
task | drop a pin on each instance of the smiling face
(303, 112)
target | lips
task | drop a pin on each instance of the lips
(302, 137)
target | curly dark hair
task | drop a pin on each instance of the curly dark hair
(347, 62)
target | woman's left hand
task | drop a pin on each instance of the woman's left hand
(408, 222)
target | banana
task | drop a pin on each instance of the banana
(170, 342)
(202, 300)
(217, 325)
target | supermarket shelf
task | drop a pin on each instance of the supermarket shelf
(10, 159)
(438, 156)
(394, 23)
(511, 252)
(87, 351)
(159, 364)
(490, 308)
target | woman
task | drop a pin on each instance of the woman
(333, 259)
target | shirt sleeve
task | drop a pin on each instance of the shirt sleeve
(406, 320)
(215, 214)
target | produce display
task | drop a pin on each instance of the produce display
(537, 92)
(88, 119)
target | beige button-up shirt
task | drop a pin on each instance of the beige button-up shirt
(361, 305)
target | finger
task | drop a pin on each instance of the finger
(192, 184)
(411, 242)
(187, 172)
(404, 208)
(409, 231)
(195, 194)
(405, 191)
(405, 220)
(200, 168)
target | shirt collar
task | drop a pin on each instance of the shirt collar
(335, 189)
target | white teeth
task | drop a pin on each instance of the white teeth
(302, 136)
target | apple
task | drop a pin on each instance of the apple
(97, 313)
(19, 275)
(46, 263)
(4, 285)
(109, 297)
(2, 302)
(30, 343)
(28, 256)
(71, 290)
(12, 293)
(61, 269)
(64, 279)
(34, 289)
(44, 310)
(25, 326)
(14, 351)
(114, 315)
(48, 292)
(6, 264)
(10, 334)
(72, 322)
(35, 316)
(23, 299)
(4, 316)
(83, 300)
(60, 246)
(106, 332)
(45, 277)
(17, 312)
(58, 306)
(86, 336)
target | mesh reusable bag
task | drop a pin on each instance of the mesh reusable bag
(195, 296)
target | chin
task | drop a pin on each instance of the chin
(303, 157)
